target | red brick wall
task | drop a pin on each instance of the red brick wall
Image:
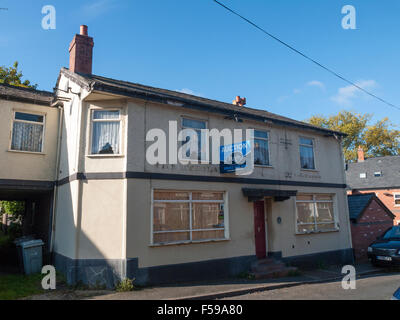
(387, 197)
(372, 224)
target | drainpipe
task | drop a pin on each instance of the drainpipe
(60, 106)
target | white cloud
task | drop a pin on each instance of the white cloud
(296, 91)
(282, 99)
(316, 83)
(346, 95)
(98, 8)
(189, 91)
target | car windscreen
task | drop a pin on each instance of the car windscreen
(393, 233)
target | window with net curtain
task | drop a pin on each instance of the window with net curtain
(307, 153)
(315, 213)
(261, 152)
(181, 216)
(106, 126)
(27, 132)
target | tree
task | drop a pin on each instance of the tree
(13, 210)
(377, 140)
(13, 76)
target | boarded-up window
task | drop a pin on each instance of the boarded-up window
(181, 216)
(315, 213)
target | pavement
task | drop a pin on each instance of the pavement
(232, 287)
(224, 288)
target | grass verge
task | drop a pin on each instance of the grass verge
(15, 286)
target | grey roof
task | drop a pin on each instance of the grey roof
(359, 202)
(388, 166)
(14, 93)
(98, 83)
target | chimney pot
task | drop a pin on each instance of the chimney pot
(84, 30)
(239, 101)
(360, 153)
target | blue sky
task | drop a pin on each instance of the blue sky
(197, 47)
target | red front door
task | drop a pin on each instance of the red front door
(259, 229)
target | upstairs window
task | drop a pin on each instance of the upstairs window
(106, 132)
(197, 126)
(27, 132)
(307, 153)
(363, 175)
(261, 150)
(397, 199)
(378, 174)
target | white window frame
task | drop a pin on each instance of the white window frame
(92, 120)
(363, 175)
(314, 201)
(30, 122)
(396, 195)
(308, 146)
(191, 230)
(269, 149)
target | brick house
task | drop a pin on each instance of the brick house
(380, 175)
(370, 218)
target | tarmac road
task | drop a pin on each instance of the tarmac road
(373, 287)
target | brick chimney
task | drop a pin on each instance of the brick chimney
(360, 153)
(81, 52)
(239, 101)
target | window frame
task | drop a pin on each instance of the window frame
(396, 194)
(43, 124)
(190, 230)
(308, 146)
(315, 224)
(268, 132)
(185, 127)
(120, 120)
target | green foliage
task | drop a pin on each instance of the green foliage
(19, 286)
(12, 76)
(377, 139)
(13, 208)
(125, 285)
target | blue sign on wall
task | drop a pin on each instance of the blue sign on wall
(234, 157)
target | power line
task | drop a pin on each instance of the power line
(307, 57)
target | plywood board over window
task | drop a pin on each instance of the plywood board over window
(315, 213)
(186, 216)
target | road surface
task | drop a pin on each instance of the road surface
(379, 286)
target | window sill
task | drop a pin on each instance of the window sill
(186, 243)
(263, 166)
(105, 155)
(310, 170)
(27, 152)
(316, 232)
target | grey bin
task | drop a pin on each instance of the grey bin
(32, 256)
(18, 243)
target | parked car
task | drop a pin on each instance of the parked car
(385, 250)
(396, 295)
